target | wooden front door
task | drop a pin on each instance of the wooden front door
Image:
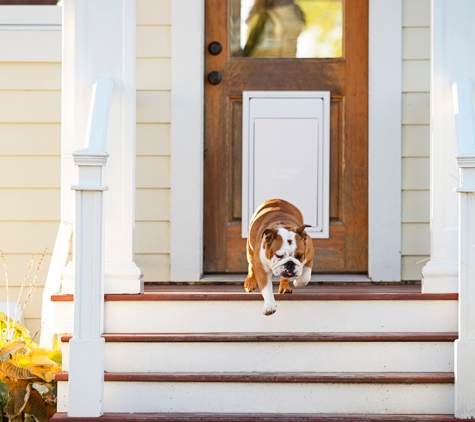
(345, 77)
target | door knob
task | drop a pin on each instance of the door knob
(215, 48)
(214, 78)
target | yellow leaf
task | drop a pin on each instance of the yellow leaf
(56, 357)
(11, 348)
(13, 371)
(42, 360)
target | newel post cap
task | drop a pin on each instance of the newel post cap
(90, 157)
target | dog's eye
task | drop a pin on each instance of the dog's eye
(298, 256)
(279, 256)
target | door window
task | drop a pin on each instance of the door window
(286, 28)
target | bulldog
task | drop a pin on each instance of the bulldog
(277, 244)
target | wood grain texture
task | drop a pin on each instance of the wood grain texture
(273, 337)
(347, 79)
(281, 377)
(251, 417)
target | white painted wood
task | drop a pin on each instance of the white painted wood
(412, 267)
(276, 124)
(99, 40)
(187, 137)
(416, 141)
(154, 12)
(384, 135)
(451, 31)
(416, 43)
(53, 282)
(415, 108)
(262, 398)
(416, 75)
(30, 15)
(30, 45)
(147, 49)
(269, 356)
(30, 33)
(415, 238)
(87, 347)
(186, 249)
(415, 206)
(465, 345)
(416, 13)
(239, 278)
(239, 316)
(86, 378)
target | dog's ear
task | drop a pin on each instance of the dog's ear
(269, 235)
(301, 231)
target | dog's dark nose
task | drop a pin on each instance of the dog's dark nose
(289, 265)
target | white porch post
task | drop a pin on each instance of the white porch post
(99, 40)
(453, 34)
(86, 370)
(465, 345)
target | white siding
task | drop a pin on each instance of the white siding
(415, 138)
(152, 243)
(30, 137)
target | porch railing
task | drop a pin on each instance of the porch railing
(465, 345)
(53, 282)
(86, 369)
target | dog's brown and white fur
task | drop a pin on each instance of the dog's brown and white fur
(277, 244)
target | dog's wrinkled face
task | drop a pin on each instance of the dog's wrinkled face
(285, 250)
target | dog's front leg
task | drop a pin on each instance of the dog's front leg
(304, 278)
(266, 289)
(284, 286)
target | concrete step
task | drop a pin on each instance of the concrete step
(260, 417)
(306, 392)
(240, 352)
(187, 309)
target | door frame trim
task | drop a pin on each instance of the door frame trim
(187, 114)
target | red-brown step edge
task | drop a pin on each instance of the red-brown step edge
(287, 377)
(273, 337)
(260, 417)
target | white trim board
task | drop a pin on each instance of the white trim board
(30, 33)
(385, 87)
(385, 139)
(315, 278)
(30, 15)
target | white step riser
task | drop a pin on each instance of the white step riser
(272, 397)
(291, 316)
(275, 357)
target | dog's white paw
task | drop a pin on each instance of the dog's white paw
(304, 278)
(269, 308)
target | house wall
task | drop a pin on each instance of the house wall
(415, 137)
(30, 115)
(30, 137)
(30, 147)
(152, 245)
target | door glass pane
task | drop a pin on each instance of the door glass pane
(286, 28)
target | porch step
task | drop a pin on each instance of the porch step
(261, 417)
(281, 392)
(316, 308)
(318, 352)
(328, 352)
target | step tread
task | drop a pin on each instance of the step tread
(311, 292)
(282, 377)
(262, 417)
(275, 337)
